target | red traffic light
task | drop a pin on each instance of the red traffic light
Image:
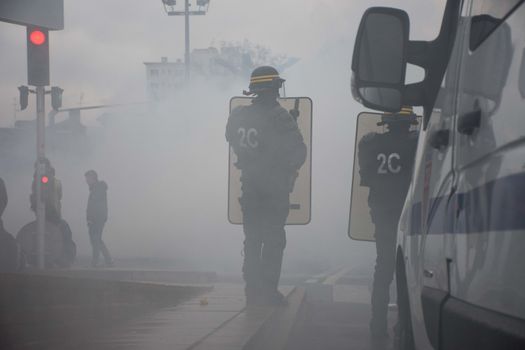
(44, 179)
(37, 37)
(37, 40)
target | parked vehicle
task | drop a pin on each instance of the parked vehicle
(460, 266)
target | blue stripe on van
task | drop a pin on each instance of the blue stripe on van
(498, 205)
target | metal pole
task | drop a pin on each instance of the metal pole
(187, 40)
(40, 171)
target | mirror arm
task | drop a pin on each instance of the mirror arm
(418, 53)
(414, 94)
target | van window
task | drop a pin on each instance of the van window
(487, 15)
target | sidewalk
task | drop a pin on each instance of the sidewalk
(55, 312)
(218, 320)
(336, 314)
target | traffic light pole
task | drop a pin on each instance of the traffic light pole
(40, 172)
(37, 40)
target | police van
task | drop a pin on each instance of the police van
(460, 251)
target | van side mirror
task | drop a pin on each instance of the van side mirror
(380, 59)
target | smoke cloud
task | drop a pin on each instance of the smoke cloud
(166, 165)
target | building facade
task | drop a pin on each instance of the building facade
(163, 78)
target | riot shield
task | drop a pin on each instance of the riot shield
(369, 125)
(300, 197)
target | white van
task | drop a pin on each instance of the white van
(460, 263)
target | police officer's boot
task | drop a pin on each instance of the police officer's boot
(251, 270)
(271, 274)
(275, 298)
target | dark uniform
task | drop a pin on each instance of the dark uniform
(270, 151)
(386, 162)
(96, 216)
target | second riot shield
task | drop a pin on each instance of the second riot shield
(383, 160)
(300, 197)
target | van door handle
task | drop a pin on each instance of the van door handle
(439, 139)
(469, 122)
(428, 273)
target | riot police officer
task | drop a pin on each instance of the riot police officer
(386, 162)
(270, 150)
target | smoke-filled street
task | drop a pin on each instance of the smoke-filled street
(233, 174)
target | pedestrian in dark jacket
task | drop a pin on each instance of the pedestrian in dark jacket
(97, 215)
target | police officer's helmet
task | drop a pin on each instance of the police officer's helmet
(265, 78)
(405, 115)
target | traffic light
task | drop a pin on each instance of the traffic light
(37, 56)
(24, 94)
(44, 181)
(56, 97)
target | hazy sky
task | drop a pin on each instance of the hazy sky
(100, 51)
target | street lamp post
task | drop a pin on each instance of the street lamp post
(170, 8)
